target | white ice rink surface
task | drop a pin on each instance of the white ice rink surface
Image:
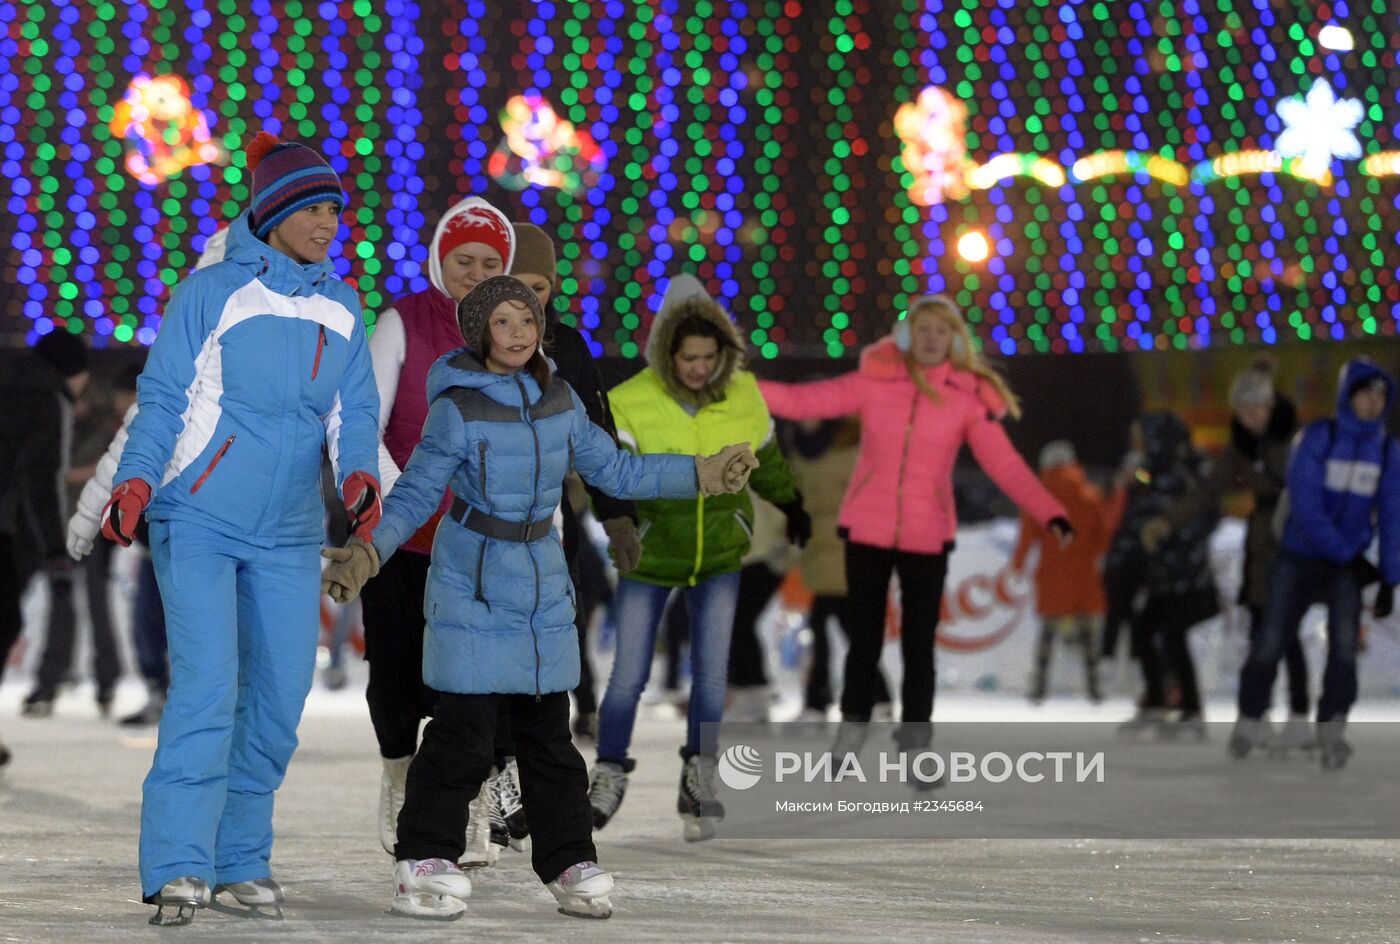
(69, 805)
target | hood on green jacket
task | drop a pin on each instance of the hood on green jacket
(685, 298)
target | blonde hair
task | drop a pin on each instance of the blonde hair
(961, 353)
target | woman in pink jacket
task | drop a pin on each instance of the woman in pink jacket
(920, 395)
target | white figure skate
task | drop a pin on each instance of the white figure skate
(185, 895)
(582, 891)
(481, 852)
(392, 784)
(430, 889)
(260, 898)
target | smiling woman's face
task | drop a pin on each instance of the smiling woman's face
(306, 235)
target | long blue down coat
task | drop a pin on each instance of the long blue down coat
(501, 613)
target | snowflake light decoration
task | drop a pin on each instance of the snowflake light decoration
(1318, 128)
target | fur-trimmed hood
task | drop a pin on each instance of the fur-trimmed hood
(686, 296)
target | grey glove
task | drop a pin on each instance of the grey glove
(626, 543)
(351, 568)
(726, 471)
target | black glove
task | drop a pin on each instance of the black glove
(1062, 529)
(1385, 601)
(1363, 571)
(799, 523)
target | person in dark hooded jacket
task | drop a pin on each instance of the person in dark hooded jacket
(1343, 490)
(1256, 459)
(36, 429)
(1176, 576)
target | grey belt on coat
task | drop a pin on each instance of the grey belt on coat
(474, 519)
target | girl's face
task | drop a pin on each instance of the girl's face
(514, 337)
(467, 266)
(930, 339)
(538, 284)
(1253, 417)
(306, 235)
(695, 360)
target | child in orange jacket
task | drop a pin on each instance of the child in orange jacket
(1069, 591)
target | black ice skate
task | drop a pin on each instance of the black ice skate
(507, 810)
(1145, 721)
(696, 802)
(260, 898)
(1333, 749)
(1249, 733)
(177, 901)
(1295, 735)
(1185, 725)
(606, 788)
(39, 703)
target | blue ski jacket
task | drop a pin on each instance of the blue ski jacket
(499, 602)
(1344, 482)
(258, 363)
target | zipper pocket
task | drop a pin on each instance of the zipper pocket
(218, 457)
(481, 555)
(480, 566)
(481, 455)
(320, 346)
(744, 525)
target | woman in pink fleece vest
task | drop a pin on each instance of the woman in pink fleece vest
(920, 395)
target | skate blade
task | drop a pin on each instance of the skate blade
(271, 912)
(184, 914)
(700, 828)
(597, 908)
(426, 907)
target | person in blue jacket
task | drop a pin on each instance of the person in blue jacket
(260, 361)
(1343, 489)
(503, 432)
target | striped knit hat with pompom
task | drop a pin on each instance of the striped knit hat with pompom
(286, 177)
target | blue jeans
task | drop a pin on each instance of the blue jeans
(1295, 583)
(638, 608)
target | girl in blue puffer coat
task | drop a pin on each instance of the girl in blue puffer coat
(503, 433)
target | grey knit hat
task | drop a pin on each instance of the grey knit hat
(1254, 386)
(1057, 453)
(478, 304)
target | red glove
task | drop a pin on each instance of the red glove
(123, 510)
(362, 504)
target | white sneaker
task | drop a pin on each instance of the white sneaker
(432, 889)
(582, 891)
(481, 851)
(392, 783)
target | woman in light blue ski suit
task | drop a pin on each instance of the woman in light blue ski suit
(260, 361)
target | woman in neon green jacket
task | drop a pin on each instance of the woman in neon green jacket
(693, 392)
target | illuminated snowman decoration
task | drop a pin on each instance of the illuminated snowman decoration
(164, 133)
(933, 130)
